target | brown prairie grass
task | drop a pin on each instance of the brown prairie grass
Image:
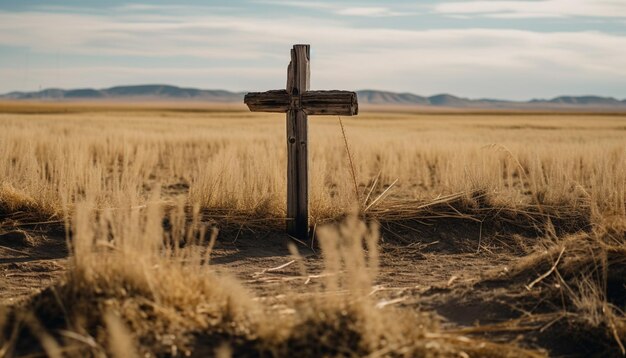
(581, 278)
(120, 174)
(128, 292)
(233, 162)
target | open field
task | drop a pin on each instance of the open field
(450, 234)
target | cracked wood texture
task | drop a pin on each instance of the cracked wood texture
(298, 102)
(341, 103)
(297, 153)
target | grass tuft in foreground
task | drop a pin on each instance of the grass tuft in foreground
(579, 282)
(132, 290)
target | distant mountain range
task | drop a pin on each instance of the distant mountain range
(130, 92)
(447, 100)
(372, 97)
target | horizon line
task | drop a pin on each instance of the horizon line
(359, 90)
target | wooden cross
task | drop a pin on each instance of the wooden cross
(298, 102)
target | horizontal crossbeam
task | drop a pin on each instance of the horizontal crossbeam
(311, 102)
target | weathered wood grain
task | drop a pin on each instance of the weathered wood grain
(342, 103)
(301, 230)
(298, 102)
(334, 102)
(269, 101)
(297, 138)
(292, 172)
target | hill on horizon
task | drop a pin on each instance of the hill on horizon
(136, 91)
(371, 97)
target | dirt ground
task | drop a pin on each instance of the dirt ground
(430, 266)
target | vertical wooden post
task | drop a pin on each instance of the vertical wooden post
(298, 101)
(297, 142)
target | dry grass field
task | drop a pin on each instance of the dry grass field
(131, 230)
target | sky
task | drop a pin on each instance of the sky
(506, 49)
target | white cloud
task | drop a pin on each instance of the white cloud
(252, 53)
(340, 9)
(318, 5)
(535, 8)
(368, 11)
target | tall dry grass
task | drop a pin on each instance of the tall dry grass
(234, 162)
(131, 291)
(119, 174)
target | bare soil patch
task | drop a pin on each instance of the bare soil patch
(440, 265)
